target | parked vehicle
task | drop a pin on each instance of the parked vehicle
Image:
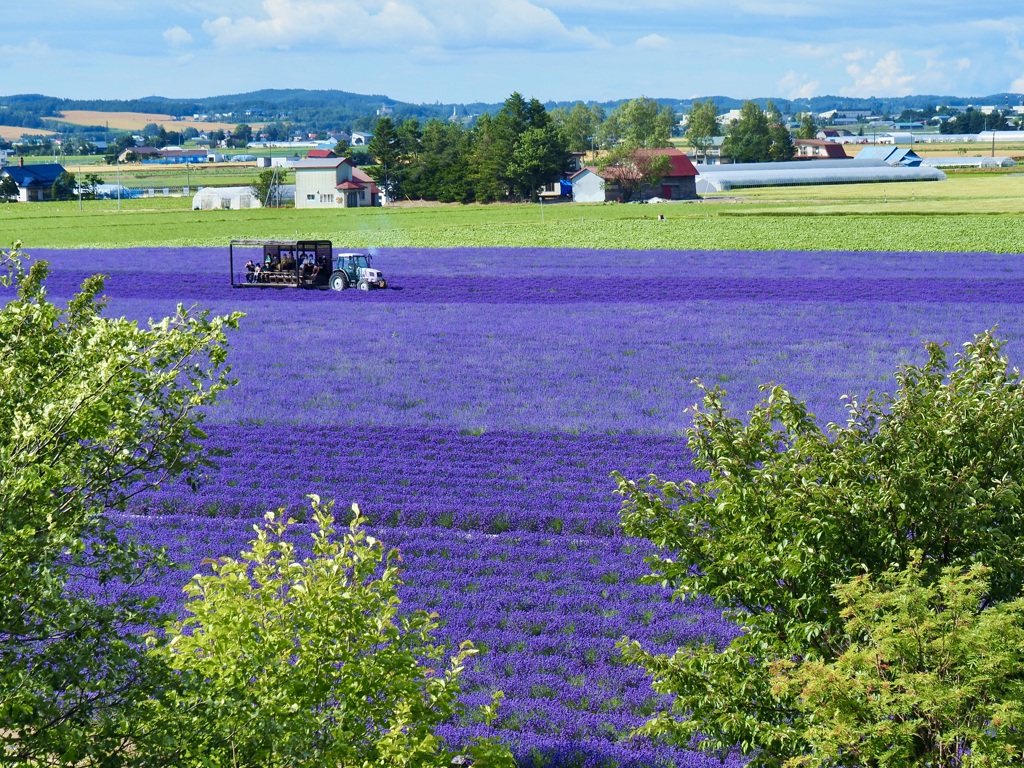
(300, 264)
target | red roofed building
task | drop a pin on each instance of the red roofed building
(332, 182)
(362, 177)
(679, 183)
(820, 149)
(321, 153)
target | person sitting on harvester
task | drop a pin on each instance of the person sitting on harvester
(250, 272)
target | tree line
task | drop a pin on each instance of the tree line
(513, 154)
(510, 155)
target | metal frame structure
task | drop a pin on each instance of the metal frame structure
(276, 251)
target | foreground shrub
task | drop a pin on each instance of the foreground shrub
(790, 511)
(306, 663)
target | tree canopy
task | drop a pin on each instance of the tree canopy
(790, 510)
(94, 410)
(758, 136)
(928, 675)
(702, 126)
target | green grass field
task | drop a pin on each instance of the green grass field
(969, 212)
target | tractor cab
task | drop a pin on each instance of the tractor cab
(354, 270)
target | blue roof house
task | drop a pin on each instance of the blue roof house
(35, 182)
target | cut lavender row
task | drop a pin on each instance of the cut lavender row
(418, 289)
(528, 263)
(492, 482)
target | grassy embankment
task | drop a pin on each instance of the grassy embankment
(969, 212)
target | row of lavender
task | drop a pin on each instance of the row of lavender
(408, 477)
(477, 413)
(545, 612)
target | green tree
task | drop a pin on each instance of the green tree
(89, 184)
(486, 161)
(288, 662)
(789, 510)
(267, 187)
(928, 675)
(780, 140)
(123, 142)
(578, 126)
(702, 127)
(643, 123)
(440, 170)
(808, 128)
(241, 136)
(8, 189)
(746, 138)
(497, 171)
(94, 410)
(385, 148)
(64, 187)
(538, 157)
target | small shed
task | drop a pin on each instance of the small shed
(587, 186)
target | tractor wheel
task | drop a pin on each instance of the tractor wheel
(338, 282)
(364, 285)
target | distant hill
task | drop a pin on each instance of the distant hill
(323, 110)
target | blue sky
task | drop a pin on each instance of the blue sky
(482, 50)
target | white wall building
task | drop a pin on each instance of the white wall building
(330, 182)
(587, 187)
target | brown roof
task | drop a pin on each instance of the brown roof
(347, 185)
(680, 163)
(321, 153)
(358, 174)
(832, 149)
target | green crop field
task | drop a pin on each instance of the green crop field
(969, 212)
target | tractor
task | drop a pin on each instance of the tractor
(353, 269)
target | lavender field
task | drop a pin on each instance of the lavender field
(476, 408)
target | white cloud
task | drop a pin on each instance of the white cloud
(810, 51)
(652, 41)
(177, 36)
(32, 49)
(794, 86)
(1017, 86)
(399, 24)
(885, 78)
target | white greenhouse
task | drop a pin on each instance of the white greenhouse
(969, 162)
(220, 198)
(234, 198)
(722, 178)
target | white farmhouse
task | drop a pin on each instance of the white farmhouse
(332, 182)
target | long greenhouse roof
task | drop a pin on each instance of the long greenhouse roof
(783, 174)
(787, 165)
